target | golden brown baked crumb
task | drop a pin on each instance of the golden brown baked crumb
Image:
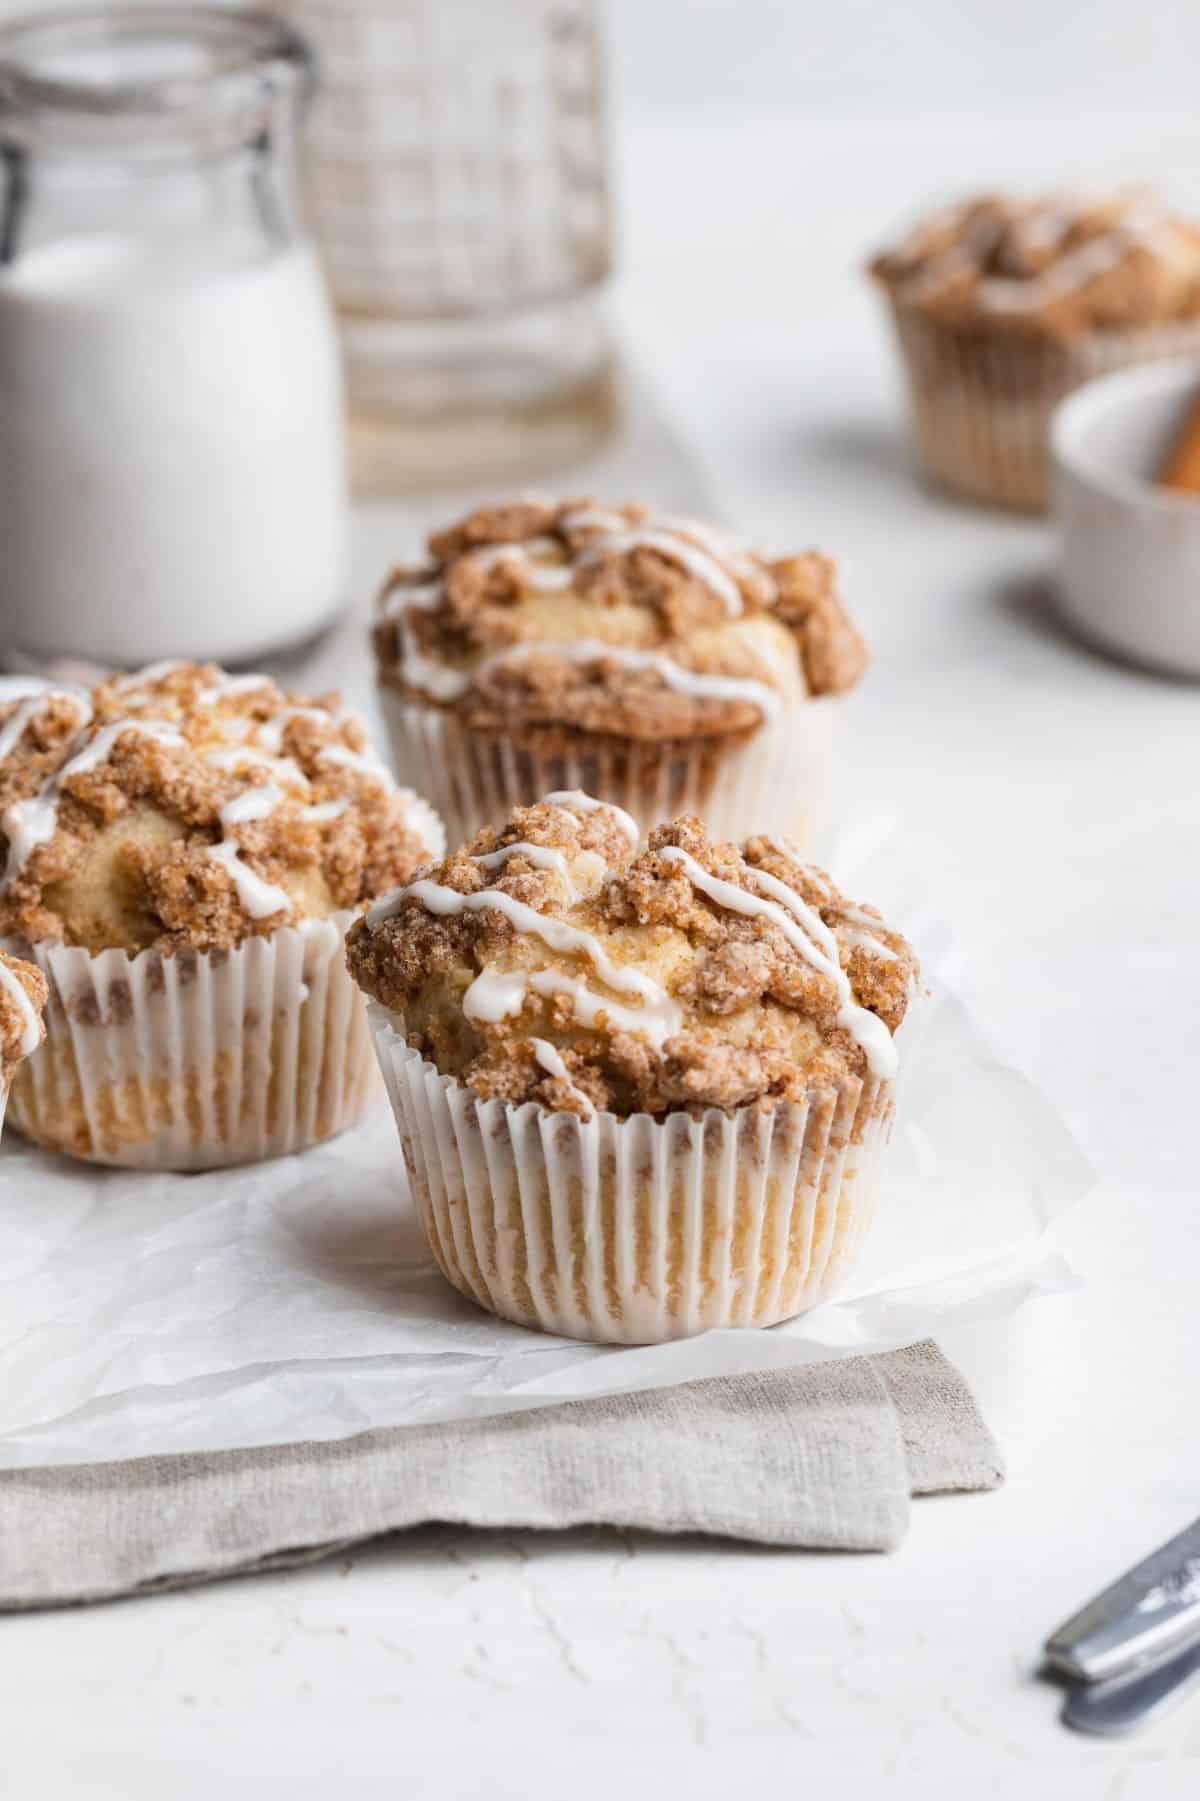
(23, 997)
(1053, 267)
(185, 808)
(633, 970)
(584, 619)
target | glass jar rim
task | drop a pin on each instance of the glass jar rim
(154, 67)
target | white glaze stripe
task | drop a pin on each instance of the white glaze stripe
(31, 1032)
(14, 726)
(574, 800)
(708, 555)
(500, 994)
(809, 935)
(698, 563)
(542, 855)
(551, 1061)
(555, 933)
(260, 898)
(28, 823)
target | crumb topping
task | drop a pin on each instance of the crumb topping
(182, 807)
(554, 961)
(1056, 266)
(22, 1000)
(612, 621)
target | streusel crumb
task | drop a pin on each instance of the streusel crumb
(1052, 267)
(611, 621)
(678, 976)
(181, 807)
(23, 998)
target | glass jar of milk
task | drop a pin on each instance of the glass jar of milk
(172, 473)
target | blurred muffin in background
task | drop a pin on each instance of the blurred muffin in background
(641, 1091)
(183, 850)
(653, 661)
(1003, 306)
(22, 1001)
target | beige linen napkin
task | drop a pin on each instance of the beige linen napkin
(826, 1456)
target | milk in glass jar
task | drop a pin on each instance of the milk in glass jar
(172, 478)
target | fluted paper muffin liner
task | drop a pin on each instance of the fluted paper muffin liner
(633, 1231)
(777, 780)
(200, 1059)
(982, 400)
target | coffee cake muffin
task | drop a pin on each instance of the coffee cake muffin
(1004, 306)
(641, 1090)
(22, 1001)
(653, 661)
(182, 852)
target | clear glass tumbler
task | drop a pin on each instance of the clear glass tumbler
(457, 170)
(172, 449)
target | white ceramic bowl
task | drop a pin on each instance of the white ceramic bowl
(1128, 552)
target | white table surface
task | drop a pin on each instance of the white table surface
(1053, 796)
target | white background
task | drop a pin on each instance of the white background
(1053, 796)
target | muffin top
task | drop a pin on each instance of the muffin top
(1056, 266)
(579, 617)
(555, 961)
(22, 998)
(181, 807)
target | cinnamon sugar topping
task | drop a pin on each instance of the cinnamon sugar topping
(683, 975)
(1055, 266)
(611, 620)
(22, 999)
(181, 807)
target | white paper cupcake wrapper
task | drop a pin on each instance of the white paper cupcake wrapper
(981, 407)
(197, 1060)
(777, 782)
(633, 1231)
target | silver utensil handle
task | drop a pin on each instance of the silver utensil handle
(1149, 1614)
(1113, 1708)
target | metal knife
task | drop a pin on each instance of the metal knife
(1148, 1615)
(1113, 1708)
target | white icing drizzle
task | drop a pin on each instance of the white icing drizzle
(251, 804)
(543, 855)
(269, 734)
(656, 1022)
(28, 823)
(595, 518)
(574, 800)
(555, 933)
(674, 546)
(31, 1024)
(260, 898)
(13, 729)
(226, 687)
(494, 995)
(673, 675)
(1041, 230)
(500, 994)
(240, 755)
(807, 932)
(545, 578)
(153, 672)
(365, 762)
(860, 928)
(712, 558)
(419, 597)
(855, 936)
(729, 550)
(324, 811)
(552, 1062)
